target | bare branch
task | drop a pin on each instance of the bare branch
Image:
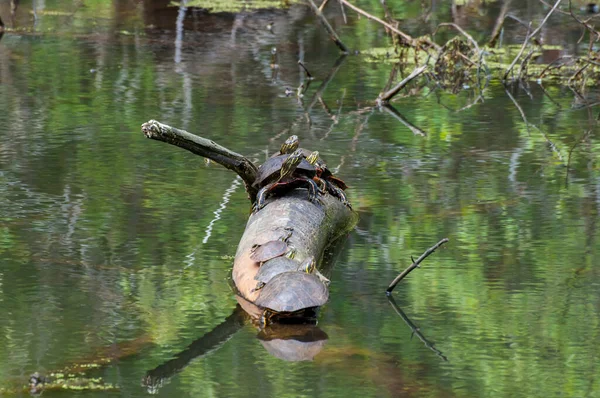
(407, 38)
(323, 4)
(529, 36)
(499, 24)
(414, 265)
(385, 97)
(206, 148)
(336, 39)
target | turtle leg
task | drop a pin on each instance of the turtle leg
(313, 191)
(338, 193)
(322, 185)
(265, 319)
(261, 198)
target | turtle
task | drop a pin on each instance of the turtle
(283, 173)
(310, 267)
(278, 265)
(290, 145)
(272, 249)
(328, 182)
(291, 294)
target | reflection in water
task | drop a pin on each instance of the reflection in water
(414, 329)
(298, 342)
(293, 342)
(210, 342)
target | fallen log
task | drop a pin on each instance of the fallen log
(314, 227)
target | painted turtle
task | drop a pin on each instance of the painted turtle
(325, 178)
(289, 145)
(290, 294)
(283, 173)
(272, 249)
(279, 265)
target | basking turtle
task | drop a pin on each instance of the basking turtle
(328, 182)
(290, 145)
(283, 173)
(291, 294)
(279, 265)
(310, 267)
(272, 249)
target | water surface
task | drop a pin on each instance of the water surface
(111, 241)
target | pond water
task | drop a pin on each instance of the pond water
(117, 250)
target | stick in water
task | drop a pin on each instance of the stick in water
(414, 265)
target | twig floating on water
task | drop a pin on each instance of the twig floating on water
(414, 265)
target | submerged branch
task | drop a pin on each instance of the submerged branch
(204, 147)
(414, 265)
(336, 39)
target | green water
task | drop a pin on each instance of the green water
(109, 239)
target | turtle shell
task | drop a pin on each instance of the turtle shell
(275, 266)
(269, 170)
(269, 250)
(293, 291)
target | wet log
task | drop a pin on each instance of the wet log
(315, 226)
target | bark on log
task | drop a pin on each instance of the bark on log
(314, 226)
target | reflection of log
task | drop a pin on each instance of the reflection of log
(211, 341)
(314, 226)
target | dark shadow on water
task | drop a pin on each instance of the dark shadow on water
(415, 330)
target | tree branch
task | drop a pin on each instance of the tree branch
(336, 39)
(385, 97)
(414, 265)
(407, 38)
(204, 147)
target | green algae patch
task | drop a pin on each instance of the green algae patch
(458, 58)
(233, 6)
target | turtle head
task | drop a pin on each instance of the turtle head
(309, 265)
(289, 166)
(290, 145)
(313, 157)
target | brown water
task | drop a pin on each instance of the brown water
(109, 241)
